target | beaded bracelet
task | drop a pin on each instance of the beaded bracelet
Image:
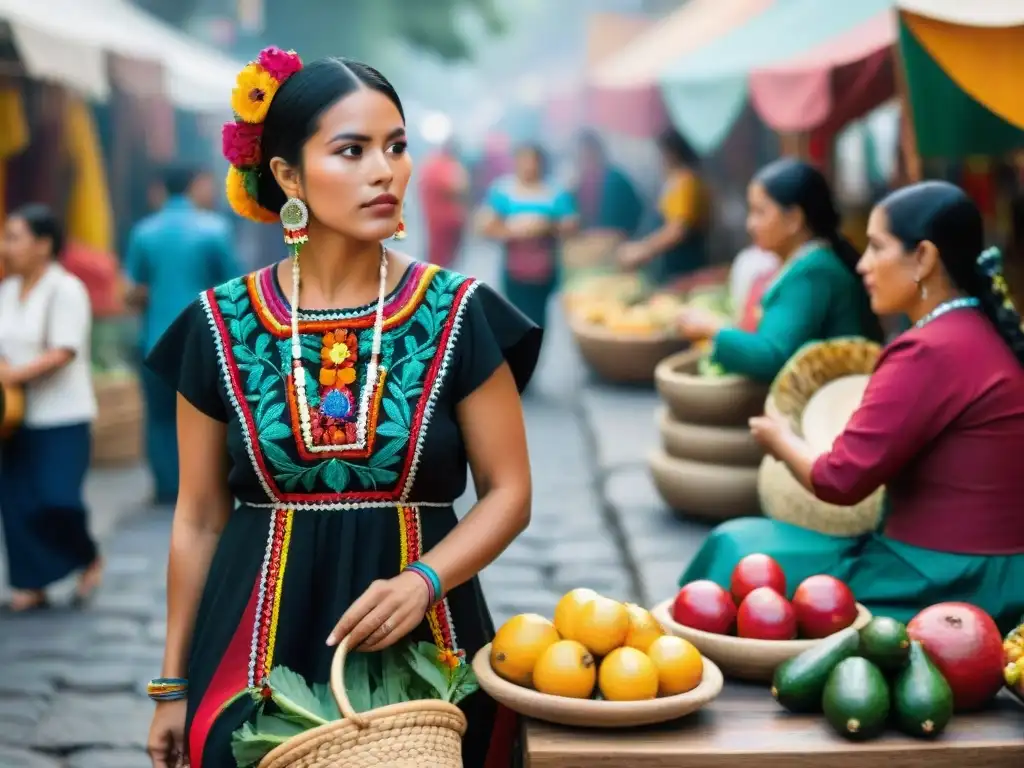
(167, 689)
(429, 575)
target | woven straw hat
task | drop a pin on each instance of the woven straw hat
(817, 392)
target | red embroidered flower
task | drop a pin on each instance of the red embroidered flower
(240, 143)
(279, 63)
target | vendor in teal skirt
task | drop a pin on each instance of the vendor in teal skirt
(528, 215)
(941, 426)
(816, 295)
(679, 245)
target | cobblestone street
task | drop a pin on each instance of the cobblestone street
(71, 692)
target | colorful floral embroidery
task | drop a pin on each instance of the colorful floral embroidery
(439, 617)
(268, 605)
(415, 355)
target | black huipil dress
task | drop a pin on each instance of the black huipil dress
(319, 518)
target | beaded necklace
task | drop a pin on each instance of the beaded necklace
(963, 302)
(372, 370)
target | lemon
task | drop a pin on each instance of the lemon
(565, 668)
(568, 609)
(602, 625)
(643, 628)
(627, 674)
(679, 664)
(518, 644)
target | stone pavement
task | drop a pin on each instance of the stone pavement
(71, 689)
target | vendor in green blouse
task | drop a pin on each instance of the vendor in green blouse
(817, 294)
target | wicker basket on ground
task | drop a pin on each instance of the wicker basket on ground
(413, 734)
(817, 392)
(117, 431)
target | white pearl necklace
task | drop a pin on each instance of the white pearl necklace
(372, 370)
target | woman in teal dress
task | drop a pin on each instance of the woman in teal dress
(816, 294)
(941, 426)
(529, 215)
(606, 199)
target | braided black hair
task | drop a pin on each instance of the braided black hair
(295, 112)
(942, 214)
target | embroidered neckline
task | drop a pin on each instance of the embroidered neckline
(277, 300)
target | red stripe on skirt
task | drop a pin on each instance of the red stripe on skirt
(503, 739)
(231, 677)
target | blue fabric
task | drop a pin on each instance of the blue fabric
(553, 202)
(161, 436)
(529, 298)
(620, 207)
(176, 254)
(42, 476)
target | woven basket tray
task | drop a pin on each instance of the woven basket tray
(414, 734)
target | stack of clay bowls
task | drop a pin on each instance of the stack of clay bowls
(707, 464)
(817, 392)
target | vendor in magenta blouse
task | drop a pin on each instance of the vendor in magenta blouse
(941, 426)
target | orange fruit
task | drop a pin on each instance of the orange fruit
(518, 644)
(643, 628)
(568, 609)
(565, 668)
(679, 664)
(626, 674)
(602, 625)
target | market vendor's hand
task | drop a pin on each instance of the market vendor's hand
(631, 255)
(522, 228)
(9, 374)
(770, 431)
(385, 613)
(697, 323)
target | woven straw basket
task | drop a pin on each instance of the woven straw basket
(817, 392)
(413, 734)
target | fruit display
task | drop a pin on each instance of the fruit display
(596, 648)
(756, 606)
(862, 680)
(1013, 655)
(965, 644)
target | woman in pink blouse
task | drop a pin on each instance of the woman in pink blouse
(941, 426)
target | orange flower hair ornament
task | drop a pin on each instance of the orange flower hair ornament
(255, 88)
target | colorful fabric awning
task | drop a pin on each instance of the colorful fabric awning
(980, 46)
(623, 89)
(706, 90)
(838, 80)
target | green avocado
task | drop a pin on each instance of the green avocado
(921, 696)
(799, 682)
(856, 699)
(885, 642)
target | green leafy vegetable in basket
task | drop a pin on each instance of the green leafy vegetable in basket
(288, 706)
(708, 369)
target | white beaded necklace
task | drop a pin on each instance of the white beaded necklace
(372, 370)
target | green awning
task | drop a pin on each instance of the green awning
(705, 91)
(947, 122)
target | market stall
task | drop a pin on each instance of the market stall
(623, 93)
(705, 90)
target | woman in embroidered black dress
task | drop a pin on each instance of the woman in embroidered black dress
(346, 472)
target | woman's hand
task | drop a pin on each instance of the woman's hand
(697, 324)
(632, 255)
(771, 431)
(9, 374)
(527, 227)
(385, 613)
(166, 744)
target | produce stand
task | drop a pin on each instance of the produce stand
(745, 728)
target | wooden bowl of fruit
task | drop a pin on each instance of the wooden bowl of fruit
(695, 396)
(752, 628)
(599, 664)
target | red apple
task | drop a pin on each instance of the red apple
(764, 614)
(964, 643)
(823, 605)
(755, 571)
(705, 606)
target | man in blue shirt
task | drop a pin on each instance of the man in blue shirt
(173, 255)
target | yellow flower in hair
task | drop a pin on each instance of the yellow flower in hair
(254, 90)
(241, 200)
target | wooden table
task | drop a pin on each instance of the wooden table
(745, 728)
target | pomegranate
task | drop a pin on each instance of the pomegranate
(705, 606)
(755, 571)
(823, 605)
(964, 643)
(764, 614)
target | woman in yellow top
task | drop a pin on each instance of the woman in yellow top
(678, 246)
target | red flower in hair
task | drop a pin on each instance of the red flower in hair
(240, 143)
(280, 64)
